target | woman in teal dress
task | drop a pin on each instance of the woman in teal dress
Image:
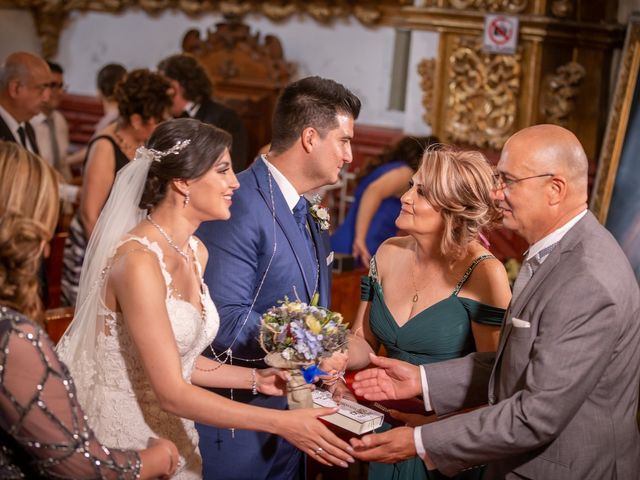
(437, 293)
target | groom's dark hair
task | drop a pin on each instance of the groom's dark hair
(310, 102)
(207, 144)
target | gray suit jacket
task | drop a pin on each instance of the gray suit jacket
(562, 394)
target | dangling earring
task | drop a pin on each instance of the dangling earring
(186, 199)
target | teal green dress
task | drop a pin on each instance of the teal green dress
(440, 332)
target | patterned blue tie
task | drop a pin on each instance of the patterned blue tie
(300, 214)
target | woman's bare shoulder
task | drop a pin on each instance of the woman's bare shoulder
(393, 250)
(489, 283)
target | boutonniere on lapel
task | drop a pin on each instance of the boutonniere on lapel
(319, 213)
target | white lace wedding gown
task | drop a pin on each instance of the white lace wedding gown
(124, 410)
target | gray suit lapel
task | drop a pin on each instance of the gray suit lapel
(567, 243)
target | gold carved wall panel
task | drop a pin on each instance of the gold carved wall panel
(504, 6)
(482, 94)
(427, 71)
(559, 92)
(50, 15)
(560, 73)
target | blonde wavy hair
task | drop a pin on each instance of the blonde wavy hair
(458, 184)
(28, 215)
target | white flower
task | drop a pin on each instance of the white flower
(321, 216)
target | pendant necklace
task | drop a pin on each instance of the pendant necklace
(169, 240)
(413, 282)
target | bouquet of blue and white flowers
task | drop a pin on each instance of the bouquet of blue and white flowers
(296, 336)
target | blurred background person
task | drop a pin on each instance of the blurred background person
(108, 78)
(192, 98)
(144, 100)
(50, 126)
(52, 136)
(106, 81)
(436, 293)
(372, 215)
(43, 430)
(25, 85)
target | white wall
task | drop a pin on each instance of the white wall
(357, 56)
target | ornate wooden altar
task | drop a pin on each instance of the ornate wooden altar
(248, 72)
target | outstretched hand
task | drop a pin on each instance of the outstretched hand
(303, 429)
(391, 380)
(392, 446)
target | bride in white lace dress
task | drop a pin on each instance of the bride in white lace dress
(144, 314)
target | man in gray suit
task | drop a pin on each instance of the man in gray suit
(562, 389)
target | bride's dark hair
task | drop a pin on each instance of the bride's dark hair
(207, 144)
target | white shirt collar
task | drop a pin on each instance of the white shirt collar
(11, 123)
(39, 118)
(290, 194)
(553, 237)
(192, 109)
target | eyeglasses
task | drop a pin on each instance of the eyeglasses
(57, 85)
(501, 181)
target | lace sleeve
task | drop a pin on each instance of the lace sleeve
(41, 414)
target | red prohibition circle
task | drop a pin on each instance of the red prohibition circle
(500, 30)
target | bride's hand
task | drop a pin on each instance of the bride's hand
(302, 429)
(272, 381)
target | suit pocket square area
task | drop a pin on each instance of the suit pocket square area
(517, 323)
(329, 259)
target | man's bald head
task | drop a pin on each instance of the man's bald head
(21, 66)
(25, 81)
(544, 172)
(554, 149)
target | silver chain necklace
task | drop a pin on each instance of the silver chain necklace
(169, 240)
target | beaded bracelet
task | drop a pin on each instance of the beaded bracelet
(254, 382)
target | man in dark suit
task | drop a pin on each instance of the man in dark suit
(25, 85)
(562, 389)
(192, 97)
(273, 247)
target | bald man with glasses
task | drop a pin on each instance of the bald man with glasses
(559, 398)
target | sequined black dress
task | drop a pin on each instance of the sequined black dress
(43, 431)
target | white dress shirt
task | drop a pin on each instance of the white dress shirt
(533, 250)
(291, 195)
(13, 125)
(43, 139)
(192, 109)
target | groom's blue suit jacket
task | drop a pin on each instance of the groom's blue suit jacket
(240, 252)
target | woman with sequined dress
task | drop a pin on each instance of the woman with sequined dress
(43, 430)
(144, 314)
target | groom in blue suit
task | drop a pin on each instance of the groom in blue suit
(273, 247)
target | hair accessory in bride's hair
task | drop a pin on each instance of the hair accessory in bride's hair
(157, 155)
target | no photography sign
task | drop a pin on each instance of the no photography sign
(500, 34)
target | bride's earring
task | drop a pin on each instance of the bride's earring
(187, 199)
